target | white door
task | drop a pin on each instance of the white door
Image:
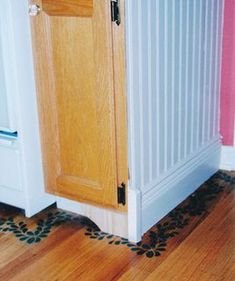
(173, 63)
(8, 81)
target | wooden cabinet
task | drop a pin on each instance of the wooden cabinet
(162, 64)
(81, 99)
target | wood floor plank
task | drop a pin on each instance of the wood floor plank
(132, 274)
(57, 264)
(102, 265)
(195, 258)
(29, 255)
(10, 249)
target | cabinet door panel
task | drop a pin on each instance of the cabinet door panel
(74, 67)
(83, 8)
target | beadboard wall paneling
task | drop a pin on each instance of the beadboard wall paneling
(173, 64)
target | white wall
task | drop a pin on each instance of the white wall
(173, 62)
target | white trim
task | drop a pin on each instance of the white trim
(107, 220)
(33, 197)
(28, 124)
(12, 197)
(173, 173)
(180, 170)
(172, 190)
(227, 158)
(134, 215)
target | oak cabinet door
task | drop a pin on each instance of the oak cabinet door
(72, 43)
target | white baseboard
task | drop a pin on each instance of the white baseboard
(107, 220)
(12, 197)
(227, 158)
(134, 215)
(148, 206)
(169, 192)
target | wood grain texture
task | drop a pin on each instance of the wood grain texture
(75, 83)
(204, 251)
(207, 254)
(119, 56)
(46, 102)
(74, 8)
(109, 220)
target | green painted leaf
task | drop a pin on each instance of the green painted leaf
(135, 249)
(124, 239)
(131, 245)
(149, 254)
(31, 240)
(43, 235)
(12, 225)
(103, 233)
(146, 246)
(140, 253)
(23, 238)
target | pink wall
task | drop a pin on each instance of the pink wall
(228, 76)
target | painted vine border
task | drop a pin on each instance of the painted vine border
(154, 242)
(42, 230)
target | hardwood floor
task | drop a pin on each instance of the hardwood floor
(195, 242)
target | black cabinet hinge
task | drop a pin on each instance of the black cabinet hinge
(121, 193)
(115, 11)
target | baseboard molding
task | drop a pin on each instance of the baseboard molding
(41, 201)
(12, 197)
(134, 215)
(149, 206)
(227, 158)
(172, 190)
(107, 220)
